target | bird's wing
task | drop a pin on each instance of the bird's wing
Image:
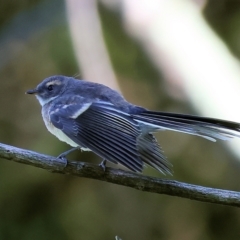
(110, 133)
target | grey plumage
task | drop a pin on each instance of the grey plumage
(99, 119)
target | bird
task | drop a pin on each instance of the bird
(93, 117)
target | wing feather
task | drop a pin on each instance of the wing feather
(111, 151)
(112, 134)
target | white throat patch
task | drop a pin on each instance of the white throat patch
(44, 101)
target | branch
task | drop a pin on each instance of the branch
(120, 177)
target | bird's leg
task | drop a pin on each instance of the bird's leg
(64, 154)
(103, 164)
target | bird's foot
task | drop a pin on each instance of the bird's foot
(103, 165)
(64, 154)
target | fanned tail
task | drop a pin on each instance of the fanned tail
(209, 128)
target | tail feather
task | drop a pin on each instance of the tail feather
(209, 128)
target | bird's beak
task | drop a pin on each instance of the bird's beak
(32, 91)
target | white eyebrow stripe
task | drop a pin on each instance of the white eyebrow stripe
(54, 82)
(81, 110)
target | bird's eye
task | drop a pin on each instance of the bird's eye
(50, 87)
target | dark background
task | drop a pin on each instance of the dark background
(35, 204)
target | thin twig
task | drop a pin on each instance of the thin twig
(120, 177)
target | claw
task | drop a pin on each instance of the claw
(103, 165)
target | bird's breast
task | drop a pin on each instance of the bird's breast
(55, 131)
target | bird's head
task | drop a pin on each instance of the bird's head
(49, 89)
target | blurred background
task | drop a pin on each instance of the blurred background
(167, 55)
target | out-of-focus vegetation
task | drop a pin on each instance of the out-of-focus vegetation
(34, 204)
